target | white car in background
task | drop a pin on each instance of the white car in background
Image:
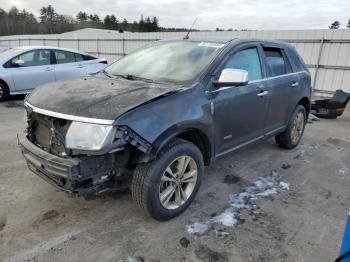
(24, 68)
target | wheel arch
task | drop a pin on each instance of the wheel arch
(305, 101)
(6, 85)
(193, 135)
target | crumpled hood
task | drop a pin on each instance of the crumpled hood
(96, 96)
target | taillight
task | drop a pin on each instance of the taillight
(103, 61)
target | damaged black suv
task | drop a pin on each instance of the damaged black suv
(156, 117)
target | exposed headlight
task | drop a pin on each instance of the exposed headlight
(85, 136)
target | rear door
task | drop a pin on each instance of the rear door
(68, 65)
(36, 70)
(282, 84)
(92, 63)
(239, 112)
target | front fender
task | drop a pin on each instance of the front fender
(161, 120)
(176, 131)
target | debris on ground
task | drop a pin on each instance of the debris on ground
(51, 214)
(312, 118)
(333, 107)
(231, 179)
(220, 234)
(184, 242)
(240, 203)
(2, 223)
(285, 166)
(205, 254)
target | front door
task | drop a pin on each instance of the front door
(36, 70)
(240, 112)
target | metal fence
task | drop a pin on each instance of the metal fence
(326, 52)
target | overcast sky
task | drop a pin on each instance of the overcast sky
(236, 14)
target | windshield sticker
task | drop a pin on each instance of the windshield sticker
(209, 44)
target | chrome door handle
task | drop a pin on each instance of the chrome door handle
(295, 84)
(48, 69)
(264, 93)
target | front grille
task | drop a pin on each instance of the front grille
(48, 132)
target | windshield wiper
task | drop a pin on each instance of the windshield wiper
(132, 77)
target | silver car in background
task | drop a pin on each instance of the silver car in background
(24, 68)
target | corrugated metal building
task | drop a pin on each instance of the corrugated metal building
(326, 52)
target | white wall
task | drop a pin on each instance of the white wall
(334, 58)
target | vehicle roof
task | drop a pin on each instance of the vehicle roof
(28, 48)
(13, 52)
(227, 40)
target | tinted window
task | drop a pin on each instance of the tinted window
(89, 57)
(63, 57)
(276, 61)
(34, 58)
(248, 60)
(78, 57)
(296, 59)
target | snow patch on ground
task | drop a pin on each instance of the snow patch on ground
(241, 202)
(344, 172)
(199, 228)
(284, 185)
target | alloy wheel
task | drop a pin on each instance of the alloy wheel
(178, 182)
(298, 127)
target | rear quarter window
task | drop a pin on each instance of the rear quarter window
(88, 57)
(78, 57)
(296, 60)
(277, 61)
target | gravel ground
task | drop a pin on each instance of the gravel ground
(302, 223)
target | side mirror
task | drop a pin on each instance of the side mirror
(18, 62)
(232, 77)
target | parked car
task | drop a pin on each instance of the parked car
(24, 68)
(160, 114)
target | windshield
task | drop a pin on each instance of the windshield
(167, 61)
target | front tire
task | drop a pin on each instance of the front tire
(4, 92)
(165, 187)
(291, 137)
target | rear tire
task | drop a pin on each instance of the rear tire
(4, 92)
(291, 137)
(161, 188)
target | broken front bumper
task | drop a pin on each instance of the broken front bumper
(78, 176)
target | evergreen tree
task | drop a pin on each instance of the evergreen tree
(334, 25)
(48, 17)
(155, 24)
(82, 17)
